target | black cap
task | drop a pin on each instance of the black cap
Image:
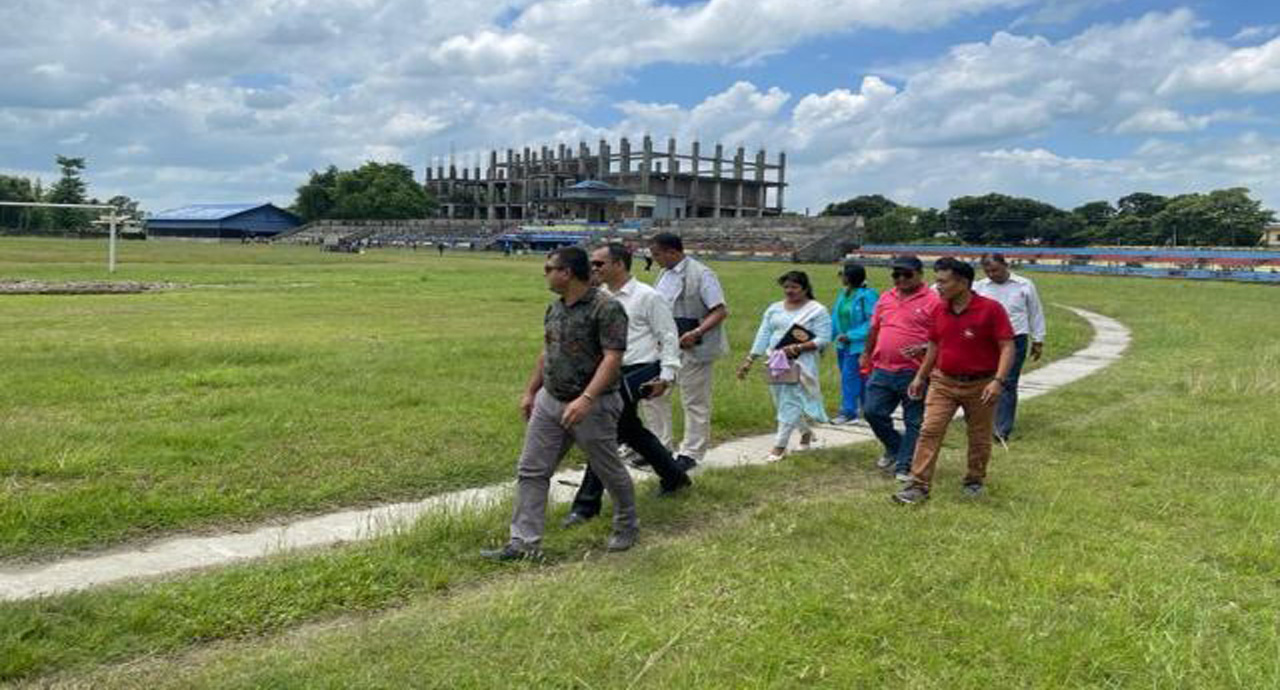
(907, 261)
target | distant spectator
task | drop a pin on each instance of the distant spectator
(793, 367)
(1021, 301)
(850, 321)
(969, 356)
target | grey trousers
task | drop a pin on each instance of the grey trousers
(694, 382)
(545, 444)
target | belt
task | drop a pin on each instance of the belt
(970, 378)
(636, 367)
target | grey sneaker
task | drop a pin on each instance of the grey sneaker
(884, 462)
(511, 552)
(903, 476)
(841, 419)
(623, 540)
(911, 495)
(575, 519)
(973, 490)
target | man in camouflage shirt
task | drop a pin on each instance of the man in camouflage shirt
(572, 398)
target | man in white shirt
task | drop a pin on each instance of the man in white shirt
(1022, 303)
(649, 367)
(697, 303)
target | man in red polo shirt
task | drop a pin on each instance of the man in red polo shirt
(971, 347)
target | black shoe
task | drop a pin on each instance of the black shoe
(685, 462)
(623, 540)
(682, 483)
(973, 490)
(511, 552)
(575, 519)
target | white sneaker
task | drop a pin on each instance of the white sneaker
(884, 462)
(774, 457)
(902, 477)
(841, 419)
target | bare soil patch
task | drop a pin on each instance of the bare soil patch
(38, 287)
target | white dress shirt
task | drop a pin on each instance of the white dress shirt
(672, 283)
(651, 330)
(1021, 302)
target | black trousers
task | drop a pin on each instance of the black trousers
(632, 432)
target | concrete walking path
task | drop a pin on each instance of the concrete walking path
(173, 555)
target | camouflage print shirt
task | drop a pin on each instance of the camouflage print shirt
(576, 338)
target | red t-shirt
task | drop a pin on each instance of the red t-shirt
(969, 342)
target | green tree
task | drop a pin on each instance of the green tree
(1001, 219)
(1224, 217)
(378, 191)
(1141, 204)
(69, 189)
(869, 206)
(903, 224)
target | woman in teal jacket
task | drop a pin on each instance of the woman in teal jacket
(850, 320)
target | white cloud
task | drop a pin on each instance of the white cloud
(1252, 70)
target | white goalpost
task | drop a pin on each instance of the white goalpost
(112, 218)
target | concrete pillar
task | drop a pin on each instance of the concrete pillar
(583, 154)
(624, 167)
(782, 179)
(602, 160)
(738, 173)
(646, 164)
(672, 166)
(760, 188)
(695, 167)
(717, 170)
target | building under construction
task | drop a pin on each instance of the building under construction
(564, 184)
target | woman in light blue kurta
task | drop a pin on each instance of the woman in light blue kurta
(799, 404)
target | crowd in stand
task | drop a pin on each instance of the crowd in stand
(615, 348)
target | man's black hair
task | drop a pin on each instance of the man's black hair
(618, 252)
(667, 240)
(956, 266)
(576, 260)
(855, 273)
(995, 258)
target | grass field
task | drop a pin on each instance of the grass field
(1130, 539)
(280, 380)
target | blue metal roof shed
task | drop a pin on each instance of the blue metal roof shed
(222, 221)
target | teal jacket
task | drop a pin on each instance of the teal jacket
(851, 317)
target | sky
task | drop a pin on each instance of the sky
(1067, 101)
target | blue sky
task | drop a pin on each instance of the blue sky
(921, 100)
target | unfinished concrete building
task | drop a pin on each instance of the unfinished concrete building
(608, 185)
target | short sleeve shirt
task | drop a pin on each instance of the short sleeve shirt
(576, 337)
(902, 321)
(969, 342)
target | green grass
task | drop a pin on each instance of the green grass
(281, 380)
(1130, 540)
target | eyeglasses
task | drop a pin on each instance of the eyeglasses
(897, 275)
(598, 264)
(549, 268)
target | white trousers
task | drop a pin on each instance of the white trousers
(694, 382)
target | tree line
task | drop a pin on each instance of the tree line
(70, 188)
(376, 191)
(1223, 217)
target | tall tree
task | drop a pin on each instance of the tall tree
(869, 206)
(69, 189)
(1224, 217)
(372, 191)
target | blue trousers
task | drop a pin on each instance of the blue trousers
(852, 384)
(1007, 408)
(886, 390)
